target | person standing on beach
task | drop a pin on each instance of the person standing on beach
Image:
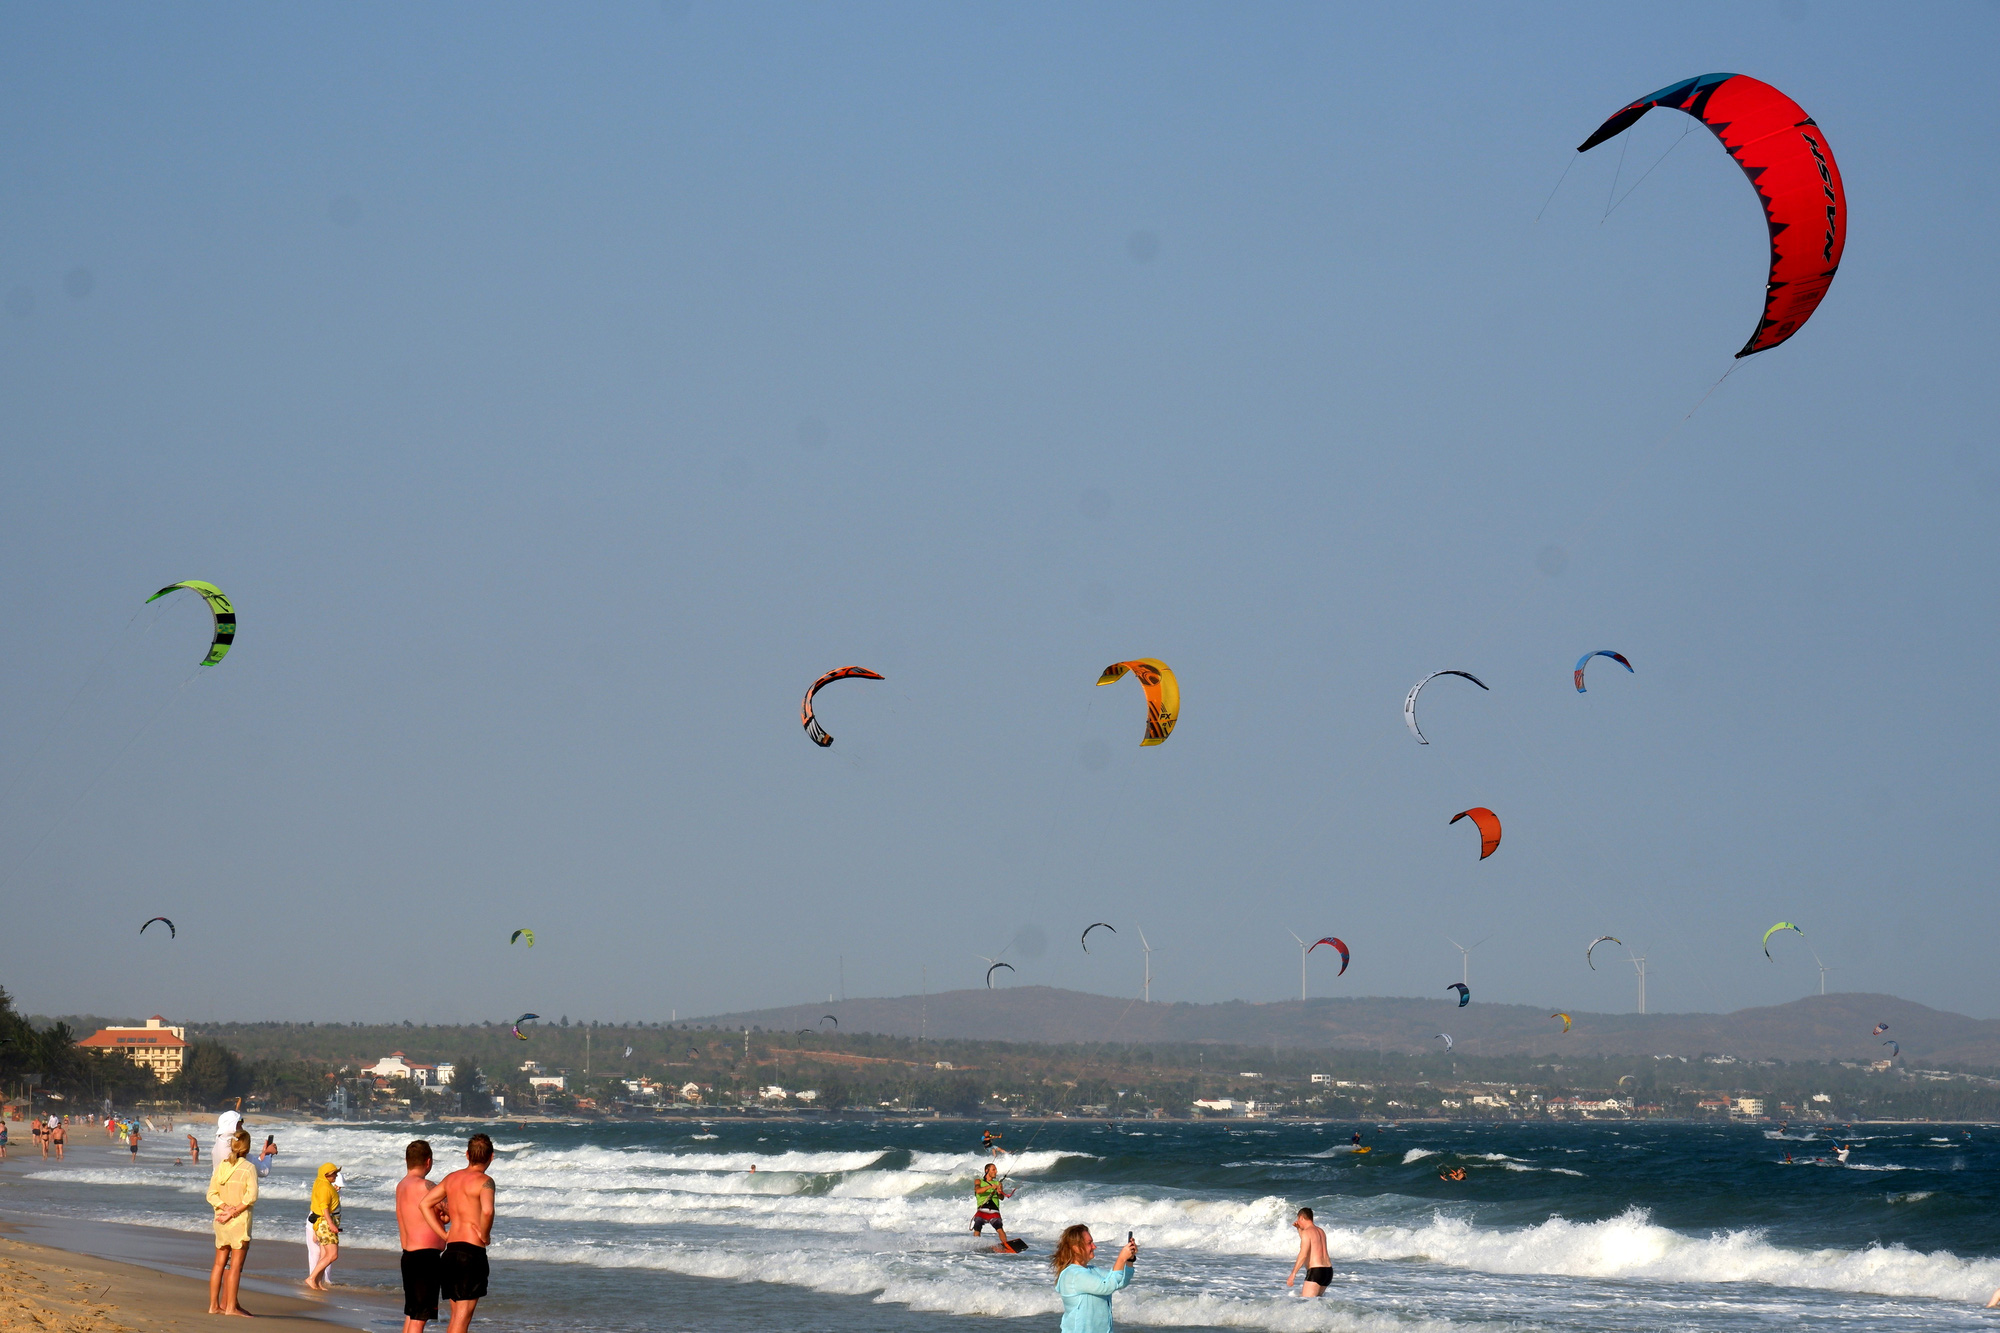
(323, 1226)
(1086, 1291)
(61, 1136)
(421, 1231)
(3, 1140)
(226, 1126)
(1312, 1256)
(465, 1200)
(232, 1193)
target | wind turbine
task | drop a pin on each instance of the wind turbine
(1304, 949)
(1466, 950)
(1638, 962)
(1823, 968)
(1146, 991)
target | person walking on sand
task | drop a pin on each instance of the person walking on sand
(323, 1225)
(232, 1193)
(1312, 1256)
(465, 1200)
(421, 1231)
(1086, 1291)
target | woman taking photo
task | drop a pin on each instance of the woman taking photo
(1086, 1291)
(232, 1193)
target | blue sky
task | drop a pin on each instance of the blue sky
(558, 392)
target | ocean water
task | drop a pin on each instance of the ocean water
(852, 1226)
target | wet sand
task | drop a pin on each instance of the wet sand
(63, 1273)
(44, 1289)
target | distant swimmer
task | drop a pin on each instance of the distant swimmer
(1312, 1256)
(1452, 1173)
(987, 1192)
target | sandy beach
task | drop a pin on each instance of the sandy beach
(44, 1289)
(68, 1274)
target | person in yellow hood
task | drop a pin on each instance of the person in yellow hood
(323, 1225)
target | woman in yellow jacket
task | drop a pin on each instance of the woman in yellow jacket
(232, 1193)
(323, 1225)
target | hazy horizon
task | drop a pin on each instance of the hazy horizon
(556, 395)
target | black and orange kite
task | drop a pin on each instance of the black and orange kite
(1785, 155)
(820, 736)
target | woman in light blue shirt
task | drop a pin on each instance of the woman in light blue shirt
(1086, 1291)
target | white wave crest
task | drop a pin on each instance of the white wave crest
(1630, 1247)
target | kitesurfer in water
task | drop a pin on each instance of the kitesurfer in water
(987, 1192)
(1841, 1151)
(1356, 1140)
(989, 1143)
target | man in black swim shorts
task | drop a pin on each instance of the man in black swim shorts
(466, 1199)
(1312, 1256)
(421, 1231)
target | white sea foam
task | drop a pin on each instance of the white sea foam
(1418, 1155)
(1630, 1247)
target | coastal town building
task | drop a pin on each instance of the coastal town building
(156, 1046)
(401, 1066)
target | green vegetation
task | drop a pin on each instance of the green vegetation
(299, 1065)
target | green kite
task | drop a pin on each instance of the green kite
(218, 604)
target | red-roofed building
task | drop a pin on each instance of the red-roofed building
(155, 1046)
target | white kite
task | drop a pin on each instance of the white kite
(1410, 703)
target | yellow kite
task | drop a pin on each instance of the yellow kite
(1163, 694)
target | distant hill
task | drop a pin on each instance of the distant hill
(1819, 1027)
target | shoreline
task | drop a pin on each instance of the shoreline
(46, 1286)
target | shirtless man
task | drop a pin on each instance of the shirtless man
(1312, 1256)
(59, 1136)
(465, 1200)
(421, 1230)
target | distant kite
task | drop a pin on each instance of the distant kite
(171, 932)
(1447, 1039)
(520, 935)
(1880, 1028)
(989, 973)
(1163, 694)
(1790, 165)
(628, 1052)
(1328, 939)
(1410, 702)
(517, 1025)
(1619, 658)
(1489, 828)
(1084, 939)
(1897, 1048)
(819, 734)
(1601, 939)
(1564, 1018)
(218, 606)
(828, 1018)
(1782, 925)
(1464, 993)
